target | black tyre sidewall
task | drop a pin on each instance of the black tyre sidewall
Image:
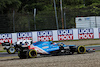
(23, 55)
(10, 51)
(78, 50)
(29, 53)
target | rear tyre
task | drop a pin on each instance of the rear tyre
(23, 55)
(32, 53)
(11, 50)
(81, 50)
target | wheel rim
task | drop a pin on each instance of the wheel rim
(81, 49)
(12, 50)
(32, 53)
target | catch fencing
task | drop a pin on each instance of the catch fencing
(44, 20)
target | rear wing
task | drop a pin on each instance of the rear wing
(6, 44)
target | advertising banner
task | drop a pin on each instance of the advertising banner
(65, 34)
(99, 32)
(24, 36)
(85, 33)
(44, 35)
(5, 38)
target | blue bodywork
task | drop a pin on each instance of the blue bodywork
(49, 46)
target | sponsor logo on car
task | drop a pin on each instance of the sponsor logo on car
(45, 47)
(39, 50)
(85, 33)
(65, 34)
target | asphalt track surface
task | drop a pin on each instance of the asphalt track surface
(97, 48)
(5, 54)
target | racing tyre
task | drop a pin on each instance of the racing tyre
(11, 50)
(81, 50)
(23, 55)
(32, 53)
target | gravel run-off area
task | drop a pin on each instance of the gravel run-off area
(76, 60)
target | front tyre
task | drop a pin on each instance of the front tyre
(11, 50)
(32, 53)
(81, 50)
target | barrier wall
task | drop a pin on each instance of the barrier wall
(54, 35)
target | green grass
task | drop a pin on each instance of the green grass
(97, 50)
(91, 44)
(3, 51)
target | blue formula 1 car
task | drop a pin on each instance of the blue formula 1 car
(47, 48)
